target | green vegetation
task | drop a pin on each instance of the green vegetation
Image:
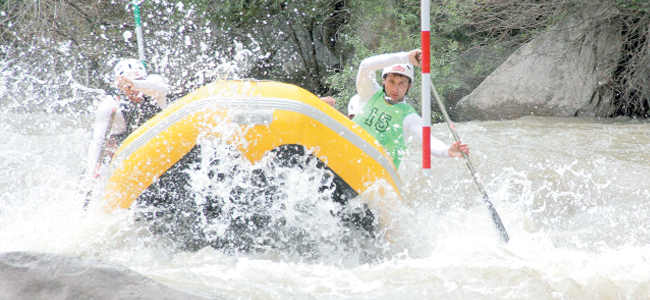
(56, 52)
(456, 27)
(633, 6)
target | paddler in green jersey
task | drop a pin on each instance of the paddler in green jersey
(384, 112)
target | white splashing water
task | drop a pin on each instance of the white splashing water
(572, 194)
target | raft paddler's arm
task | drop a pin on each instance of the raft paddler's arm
(155, 87)
(329, 100)
(100, 127)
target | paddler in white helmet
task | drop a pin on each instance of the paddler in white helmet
(385, 114)
(137, 97)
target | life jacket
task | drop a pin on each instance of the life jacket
(384, 122)
(135, 114)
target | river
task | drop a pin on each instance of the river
(573, 195)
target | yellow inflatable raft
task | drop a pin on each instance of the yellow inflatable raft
(275, 117)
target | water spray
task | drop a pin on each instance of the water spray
(470, 166)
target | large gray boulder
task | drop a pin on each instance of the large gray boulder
(34, 276)
(562, 72)
(471, 69)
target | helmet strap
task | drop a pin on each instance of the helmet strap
(388, 99)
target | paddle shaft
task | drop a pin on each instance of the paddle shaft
(470, 166)
(138, 33)
(107, 135)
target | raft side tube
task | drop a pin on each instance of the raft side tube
(270, 114)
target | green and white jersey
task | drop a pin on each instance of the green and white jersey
(384, 122)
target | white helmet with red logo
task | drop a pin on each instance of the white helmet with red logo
(132, 69)
(402, 69)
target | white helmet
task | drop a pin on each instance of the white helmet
(402, 69)
(132, 69)
(353, 106)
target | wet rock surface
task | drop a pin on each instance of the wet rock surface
(31, 275)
